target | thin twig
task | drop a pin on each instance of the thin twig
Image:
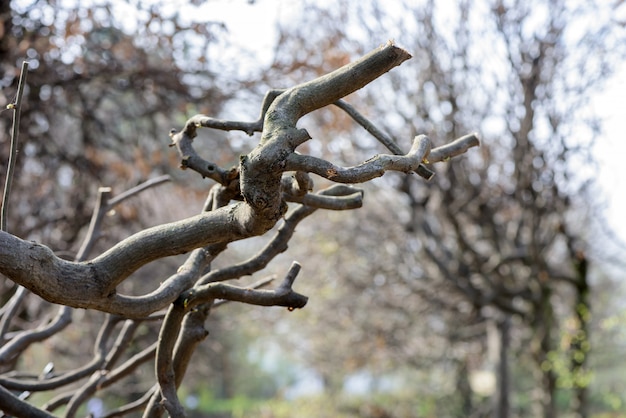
(11, 311)
(103, 205)
(138, 189)
(382, 137)
(133, 406)
(14, 142)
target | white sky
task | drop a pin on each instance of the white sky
(611, 150)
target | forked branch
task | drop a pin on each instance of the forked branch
(93, 284)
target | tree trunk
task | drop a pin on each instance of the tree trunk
(464, 389)
(580, 343)
(541, 345)
(502, 407)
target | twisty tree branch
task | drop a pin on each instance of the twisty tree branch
(260, 186)
(92, 284)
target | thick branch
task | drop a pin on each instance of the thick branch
(326, 90)
(14, 406)
(90, 284)
(170, 289)
(164, 365)
(279, 241)
(347, 202)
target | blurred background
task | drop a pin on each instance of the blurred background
(496, 289)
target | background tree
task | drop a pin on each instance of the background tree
(508, 233)
(95, 82)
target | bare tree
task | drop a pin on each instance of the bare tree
(94, 85)
(503, 236)
(248, 200)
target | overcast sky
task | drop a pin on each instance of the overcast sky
(611, 150)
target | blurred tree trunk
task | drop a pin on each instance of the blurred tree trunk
(580, 346)
(464, 389)
(5, 33)
(542, 349)
(502, 407)
(332, 383)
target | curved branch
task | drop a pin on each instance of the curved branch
(278, 243)
(202, 121)
(170, 289)
(250, 128)
(382, 137)
(262, 168)
(326, 90)
(173, 360)
(183, 141)
(347, 202)
(374, 167)
(92, 284)
(36, 385)
(297, 189)
(14, 406)
(22, 340)
(165, 374)
(178, 339)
